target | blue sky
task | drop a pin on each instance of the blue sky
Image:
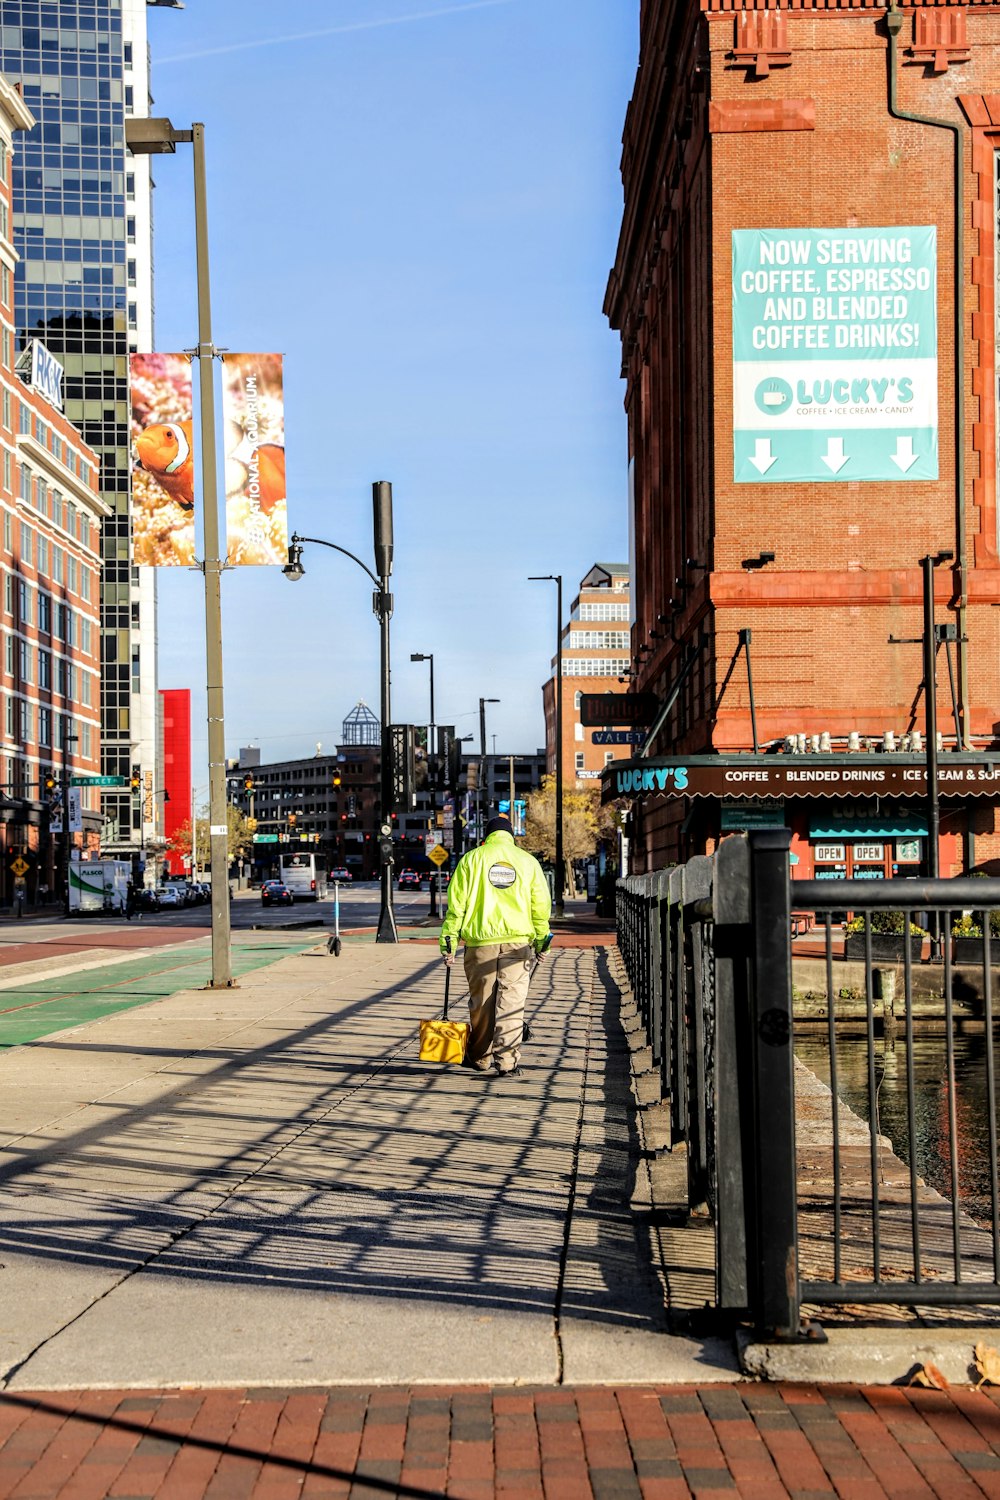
(417, 202)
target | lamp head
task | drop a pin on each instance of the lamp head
(293, 568)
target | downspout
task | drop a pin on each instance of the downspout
(894, 22)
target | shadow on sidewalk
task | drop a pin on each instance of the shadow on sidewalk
(331, 1162)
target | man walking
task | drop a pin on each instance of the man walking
(499, 904)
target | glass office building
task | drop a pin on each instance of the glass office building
(83, 287)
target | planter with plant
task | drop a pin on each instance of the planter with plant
(887, 937)
(967, 938)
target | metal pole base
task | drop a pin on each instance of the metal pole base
(386, 932)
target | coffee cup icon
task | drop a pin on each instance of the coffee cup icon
(773, 395)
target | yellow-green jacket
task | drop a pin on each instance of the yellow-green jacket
(498, 894)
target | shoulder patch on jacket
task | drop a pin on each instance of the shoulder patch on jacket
(502, 875)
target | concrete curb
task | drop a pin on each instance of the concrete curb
(868, 1355)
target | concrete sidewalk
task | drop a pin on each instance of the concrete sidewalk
(265, 1186)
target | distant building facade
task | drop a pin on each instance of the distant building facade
(596, 658)
(175, 758)
(83, 230)
(51, 509)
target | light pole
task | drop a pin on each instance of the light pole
(556, 578)
(158, 137)
(431, 763)
(68, 740)
(928, 564)
(382, 607)
(482, 763)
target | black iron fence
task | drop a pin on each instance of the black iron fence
(839, 1113)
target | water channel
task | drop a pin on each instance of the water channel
(931, 1144)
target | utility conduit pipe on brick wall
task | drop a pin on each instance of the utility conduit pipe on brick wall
(894, 22)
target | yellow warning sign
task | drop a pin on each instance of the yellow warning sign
(438, 854)
(19, 866)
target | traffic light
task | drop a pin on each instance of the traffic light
(50, 782)
(336, 778)
(136, 779)
(292, 819)
(472, 776)
(248, 783)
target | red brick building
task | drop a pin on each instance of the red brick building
(595, 657)
(50, 517)
(820, 126)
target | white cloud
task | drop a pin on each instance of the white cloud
(308, 36)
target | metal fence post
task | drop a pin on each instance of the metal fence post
(773, 1248)
(733, 1074)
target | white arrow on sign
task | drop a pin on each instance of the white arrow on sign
(904, 455)
(762, 458)
(834, 457)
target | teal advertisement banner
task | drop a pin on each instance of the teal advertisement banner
(835, 354)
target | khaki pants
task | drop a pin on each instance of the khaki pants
(498, 976)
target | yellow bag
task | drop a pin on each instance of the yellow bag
(444, 1041)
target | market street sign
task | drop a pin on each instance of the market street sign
(604, 710)
(849, 775)
(835, 353)
(98, 781)
(265, 838)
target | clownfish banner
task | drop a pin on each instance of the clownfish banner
(162, 460)
(253, 414)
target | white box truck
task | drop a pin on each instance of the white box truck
(99, 885)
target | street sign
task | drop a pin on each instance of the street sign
(835, 354)
(265, 838)
(438, 854)
(98, 781)
(19, 866)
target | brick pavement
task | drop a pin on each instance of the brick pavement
(752, 1441)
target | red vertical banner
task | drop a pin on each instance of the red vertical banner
(162, 460)
(253, 414)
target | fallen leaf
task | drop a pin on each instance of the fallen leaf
(931, 1376)
(988, 1364)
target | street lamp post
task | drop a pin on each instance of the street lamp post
(431, 763)
(157, 137)
(482, 763)
(68, 740)
(556, 578)
(382, 607)
(928, 564)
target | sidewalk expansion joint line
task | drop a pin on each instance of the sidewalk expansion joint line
(573, 1179)
(199, 1219)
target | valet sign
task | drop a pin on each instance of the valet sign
(834, 354)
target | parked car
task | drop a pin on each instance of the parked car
(275, 893)
(147, 899)
(410, 880)
(341, 873)
(169, 897)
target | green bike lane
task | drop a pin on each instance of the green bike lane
(43, 1006)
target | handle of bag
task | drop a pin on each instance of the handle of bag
(447, 978)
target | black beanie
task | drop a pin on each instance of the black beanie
(499, 824)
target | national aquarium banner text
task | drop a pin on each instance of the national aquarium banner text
(835, 354)
(253, 415)
(162, 460)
